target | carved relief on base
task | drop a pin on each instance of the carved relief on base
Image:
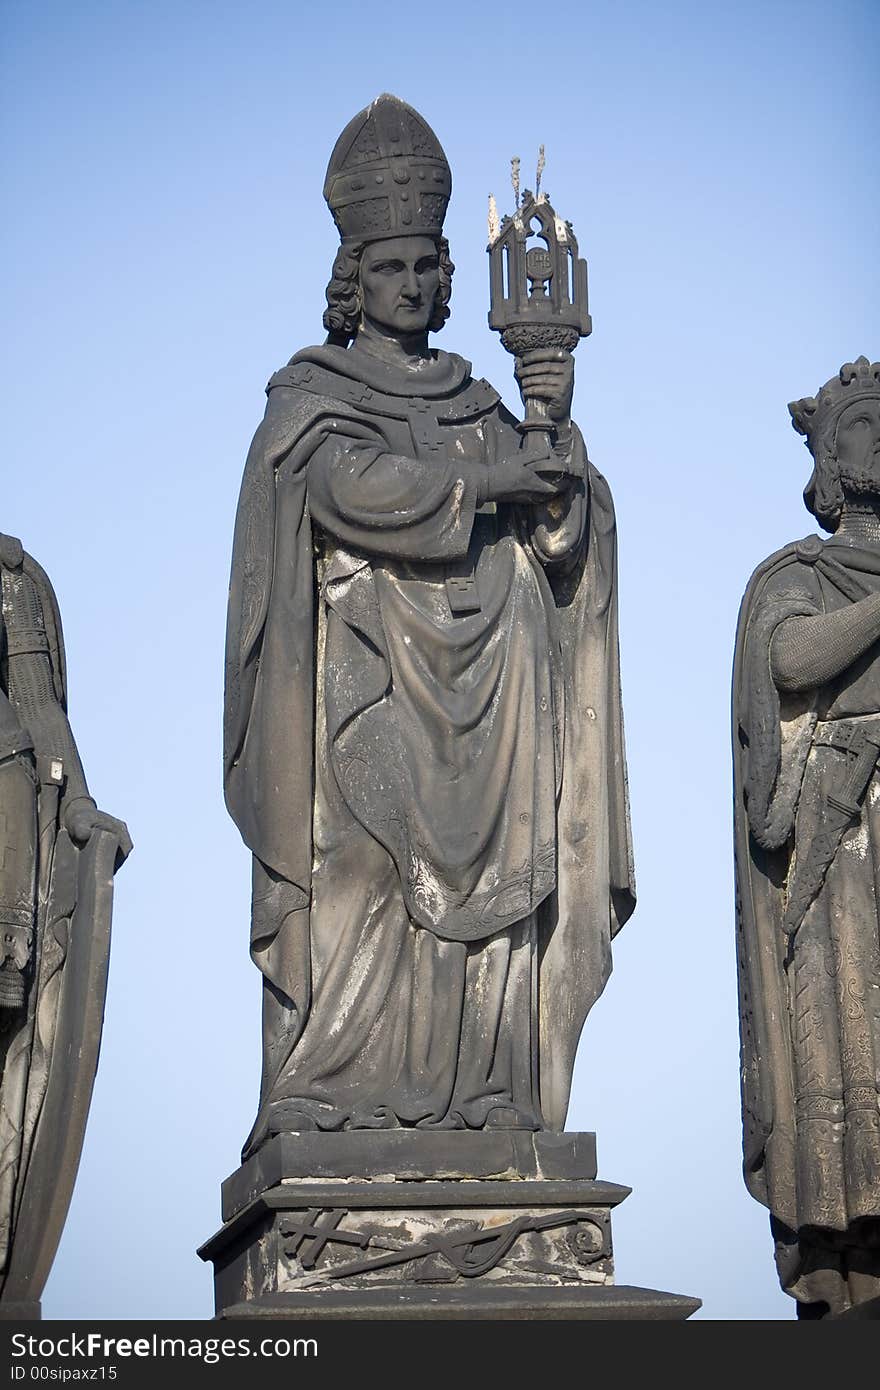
(350, 1249)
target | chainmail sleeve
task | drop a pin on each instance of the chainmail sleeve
(808, 651)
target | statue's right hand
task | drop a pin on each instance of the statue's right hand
(522, 478)
(82, 818)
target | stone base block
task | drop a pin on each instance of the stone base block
(415, 1224)
(616, 1303)
(28, 1310)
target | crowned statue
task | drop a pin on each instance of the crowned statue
(424, 753)
(806, 739)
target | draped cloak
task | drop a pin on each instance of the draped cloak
(809, 1007)
(294, 589)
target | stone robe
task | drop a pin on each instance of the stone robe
(424, 752)
(55, 901)
(30, 634)
(810, 1006)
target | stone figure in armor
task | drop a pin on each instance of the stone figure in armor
(806, 716)
(423, 737)
(54, 917)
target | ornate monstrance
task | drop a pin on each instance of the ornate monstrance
(537, 283)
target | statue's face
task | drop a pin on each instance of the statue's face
(858, 445)
(400, 278)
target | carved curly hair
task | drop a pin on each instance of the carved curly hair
(823, 494)
(343, 313)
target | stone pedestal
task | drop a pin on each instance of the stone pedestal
(424, 1224)
(26, 1310)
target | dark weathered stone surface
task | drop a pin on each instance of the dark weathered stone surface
(806, 739)
(424, 753)
(424, 747)
(410, 1154)
(610, 1303)
(58, 854)
(869, 1311)
(476, 1247)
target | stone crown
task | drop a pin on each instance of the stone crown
(815, 416)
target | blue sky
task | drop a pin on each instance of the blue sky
(166, 248)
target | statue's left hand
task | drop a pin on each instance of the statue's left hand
(83, 818)
(547, 374)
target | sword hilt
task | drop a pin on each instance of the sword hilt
(860, 773)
